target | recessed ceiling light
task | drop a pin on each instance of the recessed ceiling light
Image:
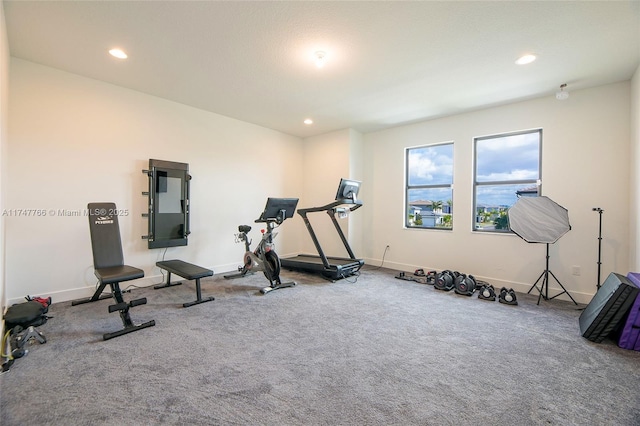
(308, 121)
(118, 53)
(526, 59)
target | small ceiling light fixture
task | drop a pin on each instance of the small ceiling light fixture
(525, 59)
(118, 53)
(320, 58)
(308, 121)
(561, 95)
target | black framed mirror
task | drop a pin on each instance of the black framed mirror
(168, 207)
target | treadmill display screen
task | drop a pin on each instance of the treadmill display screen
(348, 189)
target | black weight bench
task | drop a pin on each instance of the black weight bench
(109, 267)
(187, 271)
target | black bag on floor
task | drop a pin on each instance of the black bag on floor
(26, 314)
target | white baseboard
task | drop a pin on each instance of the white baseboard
(147, 281)
(518, 287)
(83, 292)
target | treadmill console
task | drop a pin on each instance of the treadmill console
(348, 190)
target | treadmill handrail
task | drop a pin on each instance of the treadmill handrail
(345, 201)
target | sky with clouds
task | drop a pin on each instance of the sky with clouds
(508, 158)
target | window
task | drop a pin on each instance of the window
(429, 187)
(507, 166)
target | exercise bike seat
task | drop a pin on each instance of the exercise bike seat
(244, 228)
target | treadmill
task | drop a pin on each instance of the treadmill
(332, 268)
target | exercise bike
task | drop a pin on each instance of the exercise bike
(264, 257)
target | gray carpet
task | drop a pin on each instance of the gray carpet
(377, 351)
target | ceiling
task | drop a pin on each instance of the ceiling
(388, 63)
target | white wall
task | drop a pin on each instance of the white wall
(356, 171)
(634, 195)
(4, 97)
(585, 164)
(74, 140)
(327, 159)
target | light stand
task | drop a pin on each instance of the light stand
(544, 287)
(600, 211)
(540, 220)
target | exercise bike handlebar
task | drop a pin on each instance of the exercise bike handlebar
(281, 217)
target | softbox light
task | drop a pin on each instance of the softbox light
(538, 219)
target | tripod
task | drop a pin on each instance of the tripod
(544, 286)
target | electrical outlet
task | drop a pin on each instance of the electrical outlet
(575, 270)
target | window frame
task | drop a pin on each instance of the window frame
(408, 187)
(537, 181)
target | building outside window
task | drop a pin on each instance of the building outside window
(506, 166)
(429, 186)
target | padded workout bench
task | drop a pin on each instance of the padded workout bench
(187, 271)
